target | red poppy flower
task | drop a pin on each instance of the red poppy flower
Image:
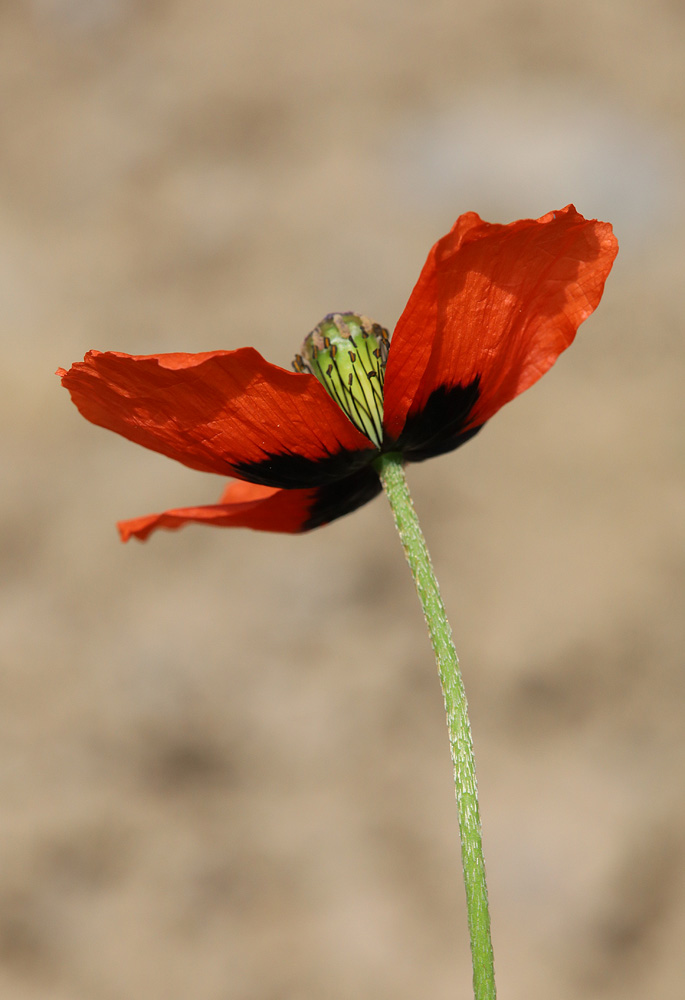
(492, 310)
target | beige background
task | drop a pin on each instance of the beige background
(223, 769)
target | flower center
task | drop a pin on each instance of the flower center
(347, 353)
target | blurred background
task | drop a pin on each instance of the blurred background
(224, 771)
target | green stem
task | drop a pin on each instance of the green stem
(389, 468)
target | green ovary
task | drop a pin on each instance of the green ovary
(347, 354)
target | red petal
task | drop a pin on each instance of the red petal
(211, 411)
(495, 302)
(243, 505)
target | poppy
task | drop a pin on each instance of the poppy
(492, 310)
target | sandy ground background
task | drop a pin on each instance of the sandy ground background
(224, 772)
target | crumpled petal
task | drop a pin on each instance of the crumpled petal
(243, 505)
(265, 508)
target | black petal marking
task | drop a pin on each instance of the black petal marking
(437, 428)
(342, 497)
(290, 471)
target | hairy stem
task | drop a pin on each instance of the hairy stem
(389, 468)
